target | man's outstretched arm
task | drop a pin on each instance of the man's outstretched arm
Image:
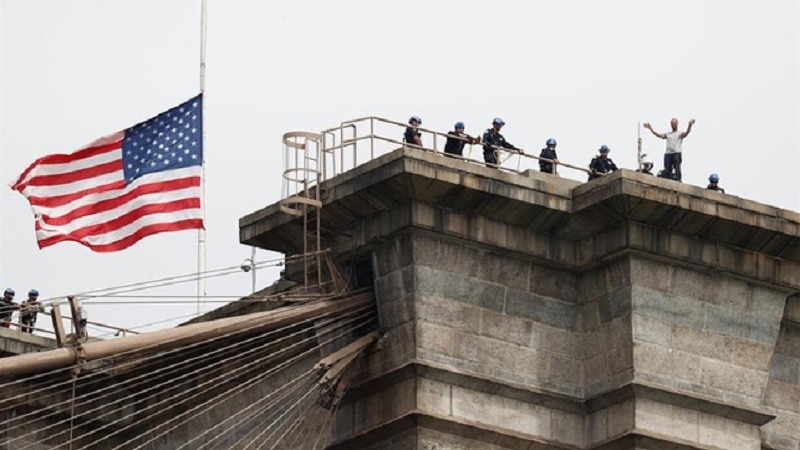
(650, 127)
(688, 130)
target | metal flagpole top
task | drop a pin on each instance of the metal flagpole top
(201, 232)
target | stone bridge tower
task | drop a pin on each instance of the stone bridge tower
(535, 312)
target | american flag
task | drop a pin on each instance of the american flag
(123, 187)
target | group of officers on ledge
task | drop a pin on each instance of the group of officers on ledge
(600, 164)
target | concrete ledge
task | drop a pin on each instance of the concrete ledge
(688, 400)
(16, 342)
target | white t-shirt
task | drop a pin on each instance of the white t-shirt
(674, 141)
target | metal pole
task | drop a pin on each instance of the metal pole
(181, 336)
(253, 267)
(201, 233)
(639, 144)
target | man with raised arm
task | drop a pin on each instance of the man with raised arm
(672, 156)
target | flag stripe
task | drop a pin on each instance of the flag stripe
(141, 233)
(64, 189)
(122, 187)
(65, 215)
(61, 200)
(113, 154)
(110, 209)
(124, 220)
(87, 152)
(76, 175)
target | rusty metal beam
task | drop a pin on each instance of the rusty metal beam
(176, 337)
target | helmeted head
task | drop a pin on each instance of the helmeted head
(604, 150)
(33, 293)
(498, 123)
(8, 292)
(551, 142)
(459, 126)
(714, 178)
(415, 121)
(647, 163)
(674, 124)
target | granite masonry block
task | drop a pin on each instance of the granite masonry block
(710, 345)
(436, 338)
(614, 304)
(766, 302)
(651, 274)
(394, 285)
(436, 283)
(556, 340)
(652, 330)
(507, 328)
(393, 255)
(753, 355)
(392, 313)
(659, 305)
(729, 377)
(554, 283)
(542, 309)
(733, 322)
(448, 313)
(785, 368)
(785, 396)
(438, 253)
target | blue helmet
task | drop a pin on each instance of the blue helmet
(9, 291)
(713, 178)
(498, 121)
(551, 142)
(459, 125)
(33, 292)
(415, 119)
(604, 149)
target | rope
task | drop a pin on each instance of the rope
(171, 381)
(147, 377)
(235, 390)
(231, 391)
(128, 353)
(248, 417)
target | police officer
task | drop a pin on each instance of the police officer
(713, 181)
(7, 307)
(492, 138)
(549, 152)
(30, 310)
(454, 145)
(412, 134)
(601, 164)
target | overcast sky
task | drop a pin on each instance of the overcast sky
(584, 72)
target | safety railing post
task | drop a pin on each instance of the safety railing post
(372, 137)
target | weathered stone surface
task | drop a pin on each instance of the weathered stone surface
(542, 309)
(572, 292)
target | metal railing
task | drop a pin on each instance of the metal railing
(359, 140)
(19, 311)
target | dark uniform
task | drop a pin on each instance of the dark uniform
(549, 153)
(493, 138)
(411, 135)
(601, 166)
(456, 146)
(7, 307)
(29, 312)
(715, 187)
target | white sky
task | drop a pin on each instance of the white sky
(584, 72)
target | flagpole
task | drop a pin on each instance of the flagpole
(201, 232)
